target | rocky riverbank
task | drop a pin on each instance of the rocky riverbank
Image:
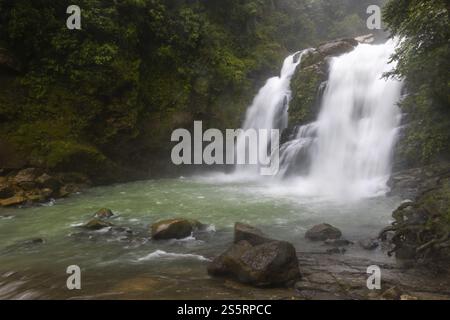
(420, 232)
(33, 185)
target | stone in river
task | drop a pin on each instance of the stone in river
(174, 228)
(322, 232)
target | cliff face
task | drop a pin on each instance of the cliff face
(310, 77)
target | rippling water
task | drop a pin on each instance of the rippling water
(115, 265)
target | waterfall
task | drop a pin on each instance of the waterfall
(269, 109)
(347, 151)
(349, 147)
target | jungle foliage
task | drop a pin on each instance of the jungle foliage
(112, 92)
(423, 60)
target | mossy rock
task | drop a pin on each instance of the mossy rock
(307, 82)
(174, 228)
(305, 87)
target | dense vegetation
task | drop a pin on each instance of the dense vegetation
(108, 96)
(424, 61)
(422, 227)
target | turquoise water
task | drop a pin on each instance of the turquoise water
(119, 265)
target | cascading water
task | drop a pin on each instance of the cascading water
(269, 108)
(347, 152)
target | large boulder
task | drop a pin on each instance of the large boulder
(266, 265)
(322, 232)
(174, 228)
(257, 260)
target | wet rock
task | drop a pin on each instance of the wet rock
(265, 265)
(97, 224)
(13, 201)
(6, 192)
(103, 214)
(369, 244)
(124, 230)
(368, 38)
(48, 182)
(68, 189)
(26, 178)
(338, 47)
(408, 297)
(250, 234)
(174, 228)
(421, 228)
(46, 193)
(34, 241)
(392, 293)
(337, 242)
(323, 232)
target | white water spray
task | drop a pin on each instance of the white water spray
(269, 109)
(347, 152)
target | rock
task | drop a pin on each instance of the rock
(36, 197)
(27, 175)
(265, 265)
(368, 38)
(174, 228)
(250, 234)
(421, 227)
(13, 201)
(34, 241)
(74, 178)
(68, 189)
(323, 232)
(369, 244)
(6, 192)
(337, 47)
(26, 178)
(46, 193)
(392, 293)
(408, 297)
(103, 214)
(97, 224)
(47, 181)
(337, 242)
